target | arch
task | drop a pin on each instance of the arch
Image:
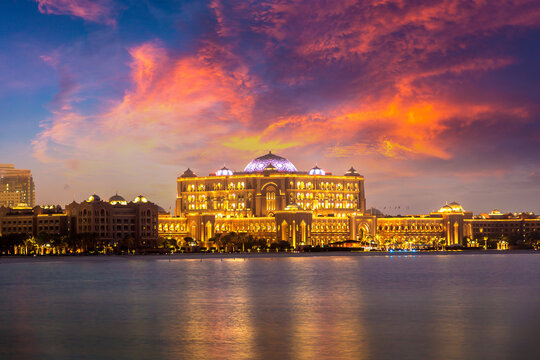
(284, 231)
(269, 184)
(363, 229)
(208, 230)
(303, 232)
(193, 230)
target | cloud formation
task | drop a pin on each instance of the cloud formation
(99, 11)
(404, 87)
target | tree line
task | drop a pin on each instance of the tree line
(52, 244)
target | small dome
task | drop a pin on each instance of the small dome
(140, 199)
(317, 171)
(188, 173)
(456, 207)
(496, 212)
(117, 199)
(224, 172)
(93, 198)
(453, 207)
(445, 209)
(352, 172)
(261, 163)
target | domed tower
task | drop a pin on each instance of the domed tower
(188, 173)
(93, 198)
(352, 172)
(263, 162)
(452, 220)
(316, 171)
(140, 199)
(224, 172)
(117, 200)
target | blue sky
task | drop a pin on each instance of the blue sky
(432, 101)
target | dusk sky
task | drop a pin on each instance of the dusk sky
(431, 101)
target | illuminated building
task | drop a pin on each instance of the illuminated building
(16, 187)
(33, 221)
(445, 226)
(271, 199)
(452, 225)
(496, 224)
(116, 219)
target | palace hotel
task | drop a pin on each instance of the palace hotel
(273, 200)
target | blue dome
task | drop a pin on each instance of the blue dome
(93, 198)
(317, 171)
(261, 163)
(224, 172)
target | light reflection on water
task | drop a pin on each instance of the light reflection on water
(293, 307)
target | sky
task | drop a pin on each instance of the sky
(431, 101)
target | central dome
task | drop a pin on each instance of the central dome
(117, 199)
(261, 163)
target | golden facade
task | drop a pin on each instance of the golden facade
(270, 199)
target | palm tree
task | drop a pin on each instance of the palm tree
(29, 245)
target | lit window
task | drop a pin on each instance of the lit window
(270, 201)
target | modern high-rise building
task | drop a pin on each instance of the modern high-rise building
(16, 187)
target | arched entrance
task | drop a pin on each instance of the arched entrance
(208, 231)
(362, 231)
(303, 233)
(284, 231)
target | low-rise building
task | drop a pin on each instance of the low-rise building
(116, 219)
(51, 220)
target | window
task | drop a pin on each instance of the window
(270, 201)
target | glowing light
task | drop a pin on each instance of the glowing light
(277, 162)
(140, 199)
(224, 172)
(317, 171)
(93, 198)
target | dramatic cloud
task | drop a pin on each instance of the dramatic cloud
(406, 88)
(173, 109)
(100, 11)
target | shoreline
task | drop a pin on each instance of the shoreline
(274, 255)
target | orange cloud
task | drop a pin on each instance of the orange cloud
(99, 11)
(375, 81)
(176, 107)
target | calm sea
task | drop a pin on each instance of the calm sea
(345, 306)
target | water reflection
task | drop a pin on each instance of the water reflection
(298, 307)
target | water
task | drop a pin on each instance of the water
(458, 306)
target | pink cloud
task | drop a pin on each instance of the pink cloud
(173, 109)
(352, 81)
(100, 11)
